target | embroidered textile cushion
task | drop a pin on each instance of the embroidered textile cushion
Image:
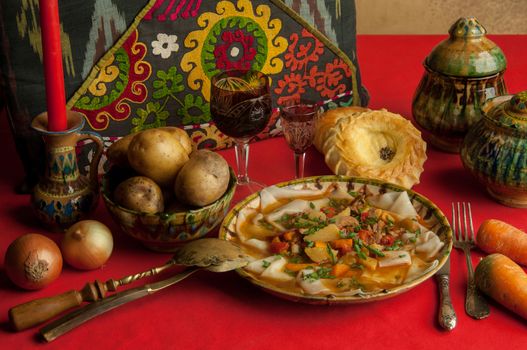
(130, 67)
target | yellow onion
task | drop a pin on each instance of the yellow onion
(32, 261)
(87, 245)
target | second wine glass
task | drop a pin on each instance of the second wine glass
(240, 106)
(298, 120)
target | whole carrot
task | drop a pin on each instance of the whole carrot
(495, 236)
(503, 280)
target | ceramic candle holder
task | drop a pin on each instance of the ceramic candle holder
(495, 149)
(461, 74)
(63, 195)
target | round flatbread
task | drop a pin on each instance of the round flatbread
(329, 119)
(376, 144)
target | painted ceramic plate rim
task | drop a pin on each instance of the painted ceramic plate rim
(333, 299)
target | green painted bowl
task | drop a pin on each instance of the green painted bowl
(424, 207)
(165, 232)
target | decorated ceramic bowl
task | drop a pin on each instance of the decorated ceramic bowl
(495, 149)
(338, 240)
(168, 230)
(461, 74)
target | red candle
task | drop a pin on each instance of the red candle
(53, 71)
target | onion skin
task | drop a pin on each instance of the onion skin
(33, 261)
(87, 245)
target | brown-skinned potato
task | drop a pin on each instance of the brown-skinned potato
(157, 154)
(117, 153)
(203, 179)
(139, 193)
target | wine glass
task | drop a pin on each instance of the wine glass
(240, 106)
(298, 118)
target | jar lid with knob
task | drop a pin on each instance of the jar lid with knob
(467, 52)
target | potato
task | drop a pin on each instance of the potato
(118, 152)
(156, 154)
(141, 194)
(181, 135)
(203, 179)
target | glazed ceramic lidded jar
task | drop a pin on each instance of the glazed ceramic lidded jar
(461, 74)
(495, 149)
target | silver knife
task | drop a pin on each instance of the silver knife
(447, 315)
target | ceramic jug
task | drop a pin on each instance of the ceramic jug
(461, 74)
(63, 195)
(495, 149)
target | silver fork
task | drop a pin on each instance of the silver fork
(475, 305)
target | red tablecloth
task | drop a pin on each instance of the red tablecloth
(223, 311)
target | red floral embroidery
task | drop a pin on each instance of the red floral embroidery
(293, 85)
(330, 83)
(236, 52)
(300, 53)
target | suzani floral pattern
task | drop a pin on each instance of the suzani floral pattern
(120, 90)
(159, 72)
(165, 45)
(236, 52)
(301, 58)
(237, 35)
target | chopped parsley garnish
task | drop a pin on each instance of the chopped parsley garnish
(266, 264)
(320, 273)
(397, 244)
(295, 259)
(371, 220)
(359, 252)
(310, 244)
(265, 224)
(375, 251)
(332, 256)
(357, 266)
(311, 205)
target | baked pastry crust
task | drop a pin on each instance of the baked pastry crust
(329, 119)
(375, 144)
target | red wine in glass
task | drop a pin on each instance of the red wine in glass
(298, 123)
(240, 106)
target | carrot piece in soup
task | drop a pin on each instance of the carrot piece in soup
(365, 235)
(297, 267)
(288, 236)
(343, 245)
(339, 270)
(278, 247)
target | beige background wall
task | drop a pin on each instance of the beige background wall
(436, 16)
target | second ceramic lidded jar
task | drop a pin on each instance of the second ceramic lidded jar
(462, 73)
(495, 149)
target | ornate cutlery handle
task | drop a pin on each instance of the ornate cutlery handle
(475, 304)
(447, 315)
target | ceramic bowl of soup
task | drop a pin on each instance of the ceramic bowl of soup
(336, 239)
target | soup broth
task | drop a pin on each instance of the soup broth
(336, 241)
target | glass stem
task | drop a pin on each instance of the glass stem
(242, 160)
(300, 159)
